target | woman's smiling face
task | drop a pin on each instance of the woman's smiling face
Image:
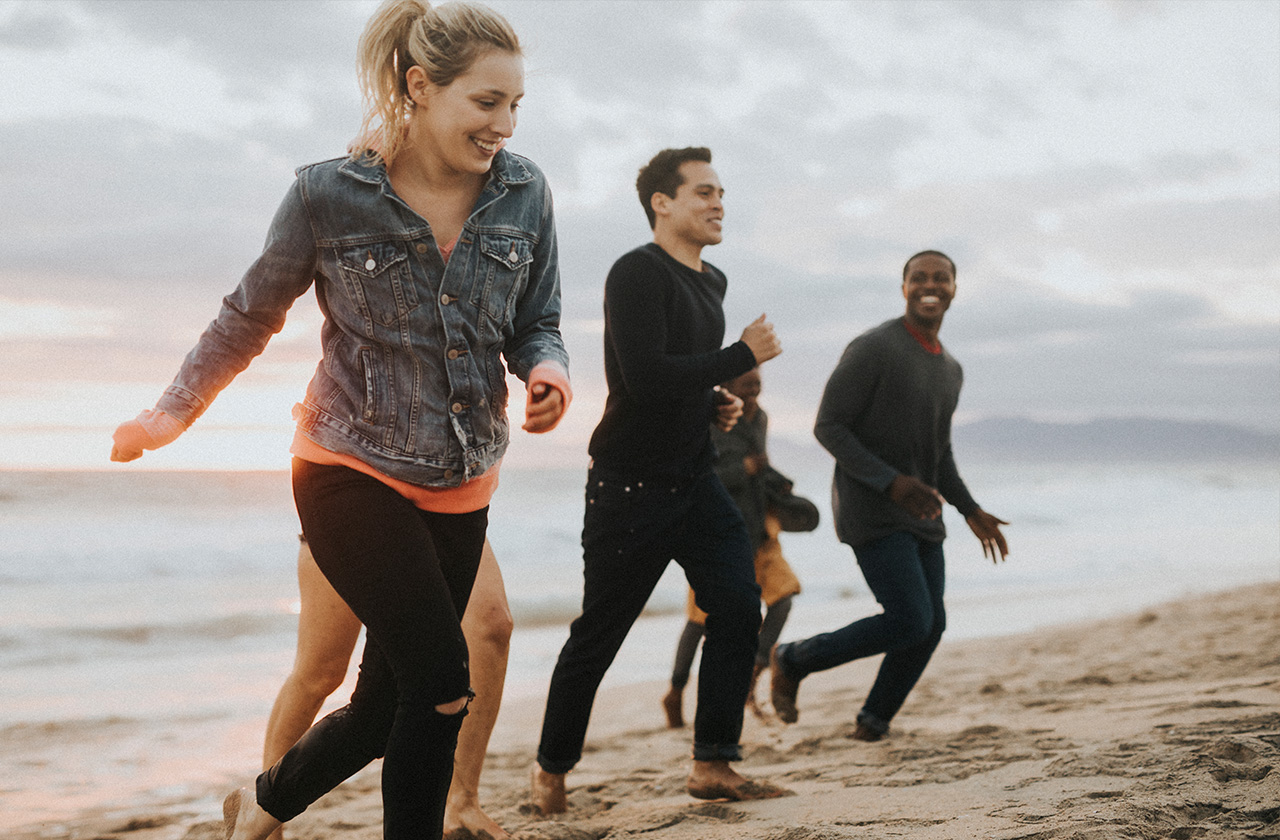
(464, 124)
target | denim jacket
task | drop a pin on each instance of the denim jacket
(411, 381)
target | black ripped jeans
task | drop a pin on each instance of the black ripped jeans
(406, 574)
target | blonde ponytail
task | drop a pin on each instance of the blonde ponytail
(443, 40)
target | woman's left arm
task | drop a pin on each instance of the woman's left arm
(535, 352)
(535, 324)
(249, 316)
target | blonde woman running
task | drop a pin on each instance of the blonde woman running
(433, 259)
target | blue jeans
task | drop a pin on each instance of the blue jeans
(631, 531)
(906, 574)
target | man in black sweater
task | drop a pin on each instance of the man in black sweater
(886, 418)
(651, 493)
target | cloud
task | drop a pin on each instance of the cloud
(253, 46)
(1106, 175)
(28, 26)
(133, 213)
(169, 83)
(45, 320)
(1194, 237)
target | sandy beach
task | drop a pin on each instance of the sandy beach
(1163, 724)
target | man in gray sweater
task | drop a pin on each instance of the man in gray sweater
(886, 417)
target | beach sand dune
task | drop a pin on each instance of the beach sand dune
(1160, 725)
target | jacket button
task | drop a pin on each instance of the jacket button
(453, 354)
(456, 408)
(445, 299)
(370, 264)
(422, 247)
(448, 474)
(513, 256)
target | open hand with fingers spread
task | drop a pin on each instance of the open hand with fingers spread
(987, 529)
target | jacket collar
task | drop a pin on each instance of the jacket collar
(507, 168)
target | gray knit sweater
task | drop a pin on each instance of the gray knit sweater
(887, 410)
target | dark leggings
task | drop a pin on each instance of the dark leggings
(775, 616)
(406, 574)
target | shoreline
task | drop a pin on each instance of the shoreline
(1166, 720)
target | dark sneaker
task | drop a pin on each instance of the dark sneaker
(862, 732)
(869, 728)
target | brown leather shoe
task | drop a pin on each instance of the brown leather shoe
(782, 690)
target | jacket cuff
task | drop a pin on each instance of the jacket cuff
(180, 404)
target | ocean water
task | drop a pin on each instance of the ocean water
(148, 618)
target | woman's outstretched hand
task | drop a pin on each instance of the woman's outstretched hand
(151, 429)
(128, 441)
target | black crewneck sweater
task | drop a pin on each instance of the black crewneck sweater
(663, 327)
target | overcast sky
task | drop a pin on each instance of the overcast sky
(1105, 174)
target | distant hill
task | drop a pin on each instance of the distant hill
(1132, 439)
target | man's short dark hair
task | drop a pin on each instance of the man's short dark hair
(928, 254)
(662, 175)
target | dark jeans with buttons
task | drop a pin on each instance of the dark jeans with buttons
(632, 529)
(907, 575)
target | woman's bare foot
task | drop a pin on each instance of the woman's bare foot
(242, 819)
(466, 821)
(717, 780)
(547, 791)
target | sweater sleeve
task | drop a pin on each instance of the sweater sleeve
(634, 300)
(952, 487)
(848, 394)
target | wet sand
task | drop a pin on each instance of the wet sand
(1164, 724)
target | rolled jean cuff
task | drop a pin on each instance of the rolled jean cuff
(717, 752)
(557, 767)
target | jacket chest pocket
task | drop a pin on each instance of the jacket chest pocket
(504, 270)
(379, 282)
